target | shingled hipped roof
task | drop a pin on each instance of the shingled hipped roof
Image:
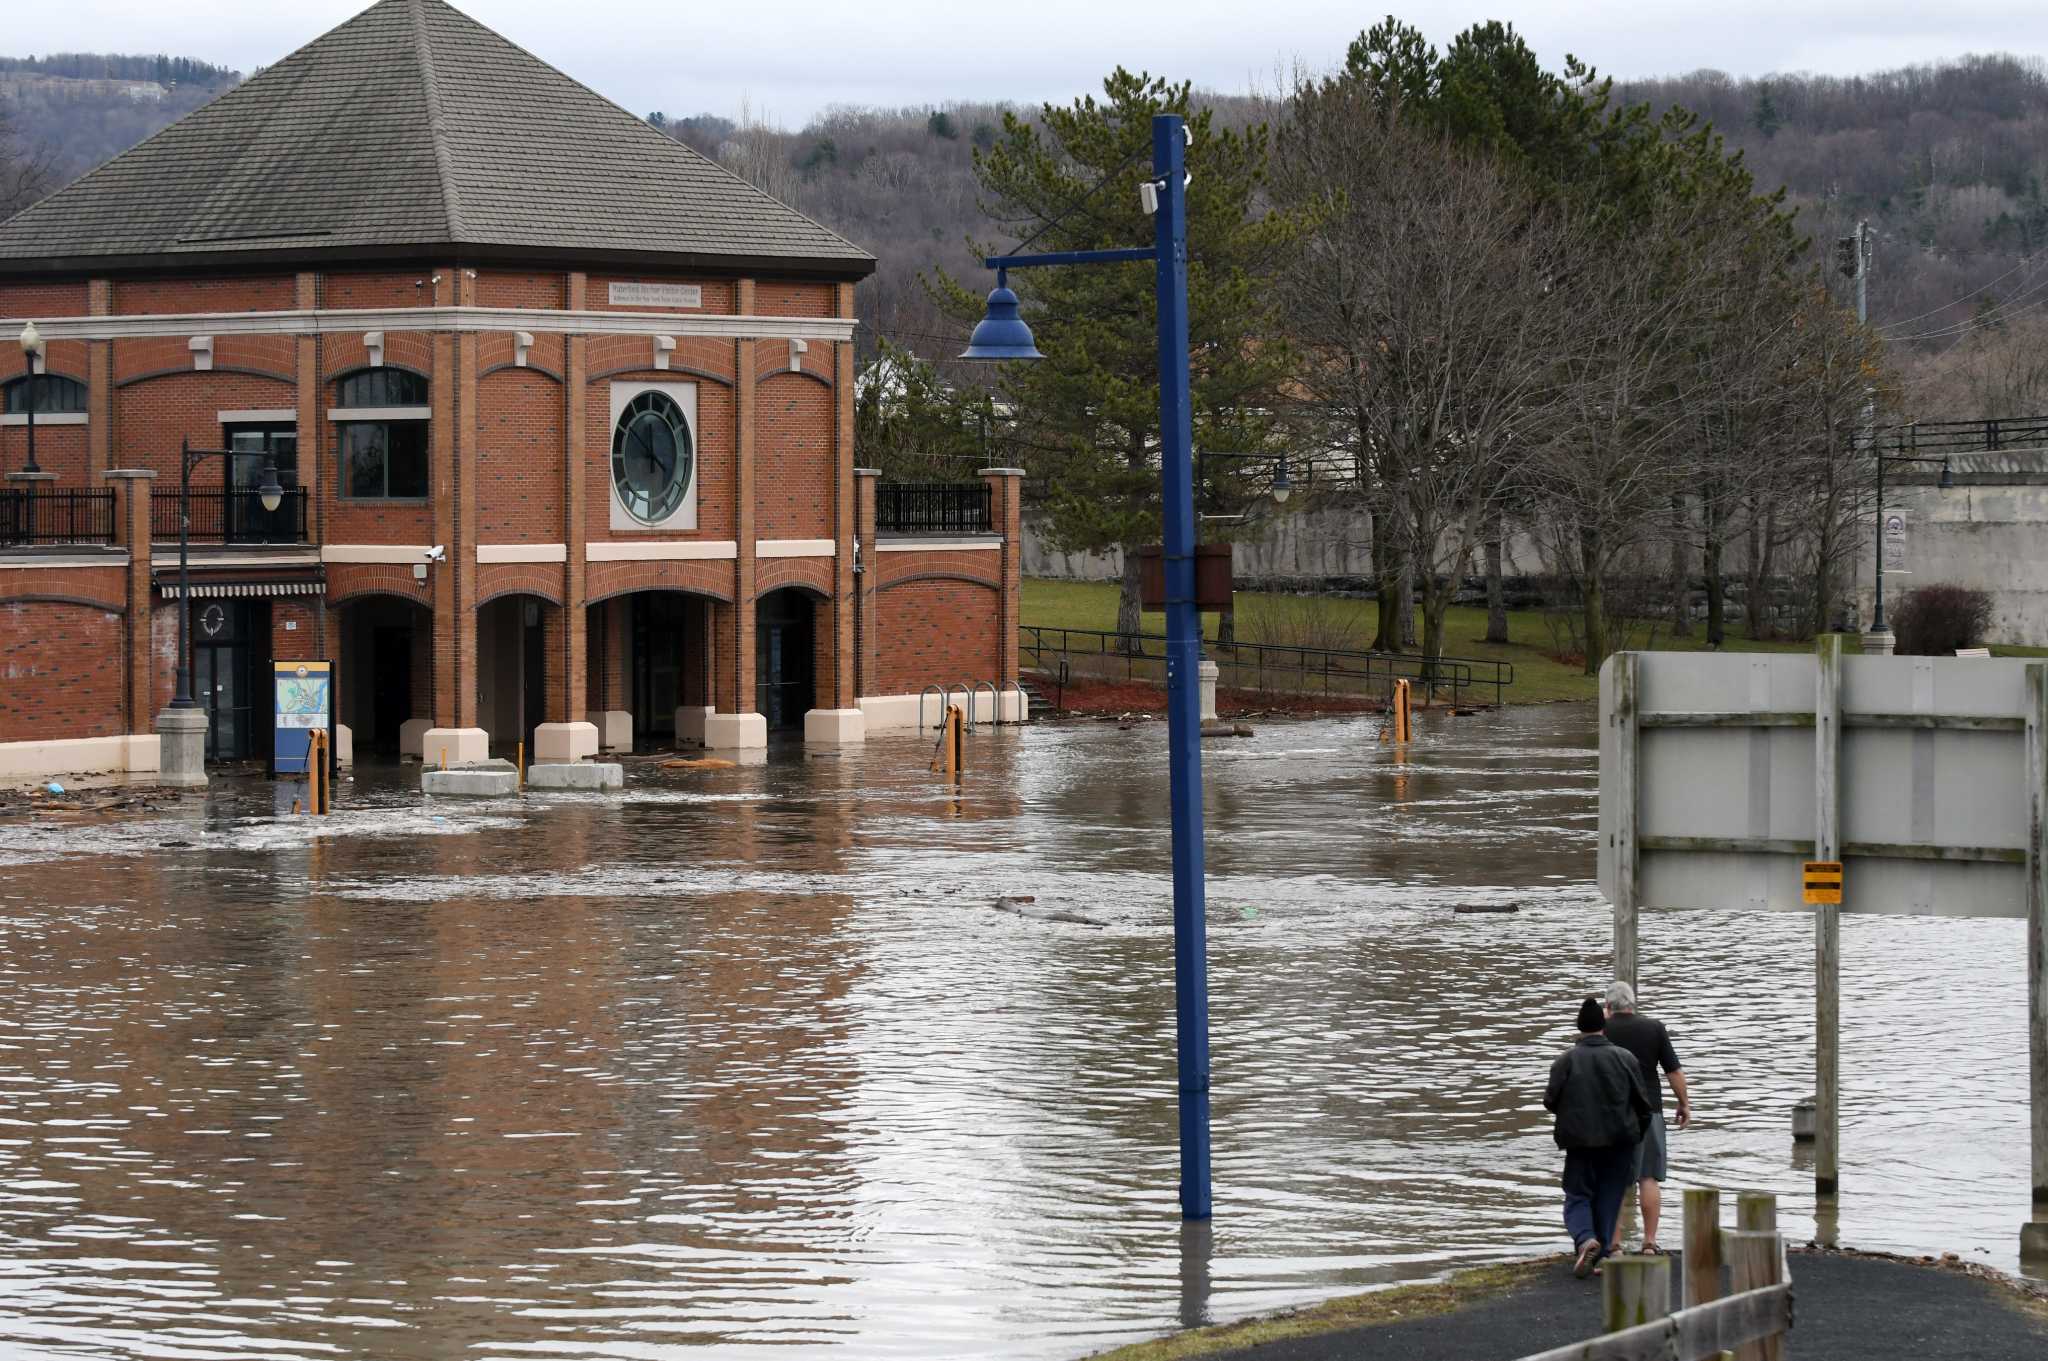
(413, 131)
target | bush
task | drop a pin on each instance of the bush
(1935, 620)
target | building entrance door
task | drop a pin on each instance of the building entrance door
(390, 685)
(230, 657)
(782, 658)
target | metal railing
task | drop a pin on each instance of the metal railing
(933, 508)
(1957, 437)
(230, 517)
(31, 518)
(1278, 668)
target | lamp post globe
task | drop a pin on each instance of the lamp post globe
(32, 351)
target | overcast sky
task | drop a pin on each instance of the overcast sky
(791, 60)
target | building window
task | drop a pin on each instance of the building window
(54, 395)
(384, 460)
(382, 448)
(380, 387)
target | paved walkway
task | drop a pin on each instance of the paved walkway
(1846, 1308)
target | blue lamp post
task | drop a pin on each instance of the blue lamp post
(1002, 334)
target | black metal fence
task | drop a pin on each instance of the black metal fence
(1273, 667)
(1958, 437)
(30, 518)
(230, 517)
(933, 508)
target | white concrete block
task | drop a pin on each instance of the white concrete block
(488, 780)
(614, 729)
(835, 725)
(344, 745)
(1207, 671)
(742, 731)
(130, 752)
(586, 775)
(690, 721)
(455, 747)
(554, 742)
(411, 736)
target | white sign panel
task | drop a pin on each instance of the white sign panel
(1895, 527)
(1932, 793)
(657, 295)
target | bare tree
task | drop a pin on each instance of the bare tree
(1420, 306)
(26, 172)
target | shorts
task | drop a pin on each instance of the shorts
(1649, 1160)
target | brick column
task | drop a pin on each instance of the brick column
(868, 654)
(746, 374)
(99, 400)
(1006, 516)
(844, 685)
(306, 366)
(575, 529)
(138, 668)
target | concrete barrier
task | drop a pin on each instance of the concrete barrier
(485, 780)
(128, 753)
(583, 775)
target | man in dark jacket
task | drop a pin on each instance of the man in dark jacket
(1596, 1092)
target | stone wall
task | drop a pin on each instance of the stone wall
(1989, 531)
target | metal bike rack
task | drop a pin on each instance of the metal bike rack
(942, 706)
(1023, 702)
(995, 702)
(967, 693)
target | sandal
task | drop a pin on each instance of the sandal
(1651, 1250)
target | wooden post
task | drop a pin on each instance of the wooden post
(1627, 800)
(1636, 1290)
(2037, 921)
(1756, 1212)
(1702, 1245)
(1827, 921)
(1755, 1262)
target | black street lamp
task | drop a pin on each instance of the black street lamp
(272, 495)
(32, 348)
(1945, 482)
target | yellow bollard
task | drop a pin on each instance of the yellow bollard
(1403, 720)
(522, 764)
(444, 758)
(951, 758)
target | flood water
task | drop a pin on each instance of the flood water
(749, 1061)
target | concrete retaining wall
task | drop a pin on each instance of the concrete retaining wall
(1990, 532)
(131, 753)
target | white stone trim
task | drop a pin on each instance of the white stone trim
(371, 320)
(269, 416)
(899, 713)
(976, 545)
(130, 753)
(522, 552)
(380, 413)
(47, 418)
(665, 550)
(162, 556)
(37, 561)
(794, 548)
(375, 552)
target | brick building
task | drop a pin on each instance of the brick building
(563, 412)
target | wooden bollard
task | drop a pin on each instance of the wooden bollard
(1756, 1211)
(1754, 1259)
(1702, 1246)
(1635, 1291)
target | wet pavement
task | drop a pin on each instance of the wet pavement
(749, 1060)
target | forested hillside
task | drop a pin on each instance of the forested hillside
(1949, 162)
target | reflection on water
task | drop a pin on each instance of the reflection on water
(748, 1059)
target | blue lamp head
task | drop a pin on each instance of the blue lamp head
(1001, 334)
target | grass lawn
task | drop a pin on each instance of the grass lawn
(1347, 623)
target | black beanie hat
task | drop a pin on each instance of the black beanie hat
(1592, 1020)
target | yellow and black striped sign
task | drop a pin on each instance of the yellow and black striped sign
(1823, 883)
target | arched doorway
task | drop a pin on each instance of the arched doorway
(785, 661)
(387, 669)
(649, 655)
(512, 668)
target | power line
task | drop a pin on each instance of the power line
(1895, 325)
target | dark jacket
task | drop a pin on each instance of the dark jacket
(1596, 1092)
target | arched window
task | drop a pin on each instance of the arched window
(382, 446)
(380, 387)
(53, 394)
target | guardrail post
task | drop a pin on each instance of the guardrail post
(1702, 1245)
(1755, 1262)
(2037, 939)
(1636, 1290)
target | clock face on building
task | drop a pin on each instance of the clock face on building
(212, 620)
(653, 458)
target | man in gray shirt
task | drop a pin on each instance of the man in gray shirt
(1651, 1044)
